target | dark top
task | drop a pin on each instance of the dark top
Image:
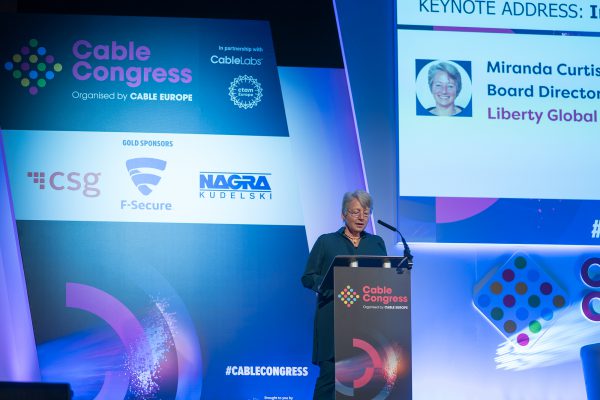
(326, 248)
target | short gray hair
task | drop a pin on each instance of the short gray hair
(363, 198)
(448, 68)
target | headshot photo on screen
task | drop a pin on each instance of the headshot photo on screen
(443, 88)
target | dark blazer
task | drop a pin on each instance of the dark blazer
(325, 249)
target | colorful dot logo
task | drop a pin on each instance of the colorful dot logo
(520, 299)
(33, 67)
(348, 296)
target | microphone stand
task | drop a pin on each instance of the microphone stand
(408, 257)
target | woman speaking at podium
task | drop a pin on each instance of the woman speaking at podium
(351, 239)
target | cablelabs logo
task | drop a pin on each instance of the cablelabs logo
(33, 67)
(145, 175)
(118, 62)
(235, 186)
(375, 297)
(232, 60)
(245, 92)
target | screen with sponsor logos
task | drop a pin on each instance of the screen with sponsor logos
(498, 114)
(157, 207)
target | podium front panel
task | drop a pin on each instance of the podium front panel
(372, 333)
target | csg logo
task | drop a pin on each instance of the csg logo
(73, 181)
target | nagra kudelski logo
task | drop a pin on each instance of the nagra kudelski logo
(235, 185)
(33, 67)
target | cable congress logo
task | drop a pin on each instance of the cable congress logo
(33, 67)
(374, 297)
(348, 296)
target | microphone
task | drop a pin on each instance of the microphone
(407, 255)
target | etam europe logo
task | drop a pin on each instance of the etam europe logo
(33, 67)
(72, 181)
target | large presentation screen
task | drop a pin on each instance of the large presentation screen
(498, 121)
(157, 210)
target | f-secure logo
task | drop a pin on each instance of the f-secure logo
(33, 67)
(348, 296)
(144, 173)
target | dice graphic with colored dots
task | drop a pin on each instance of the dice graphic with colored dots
(520, 299)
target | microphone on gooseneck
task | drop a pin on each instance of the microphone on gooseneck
(407, 255)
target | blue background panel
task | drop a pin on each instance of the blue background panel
(237, 284)
(200, 53)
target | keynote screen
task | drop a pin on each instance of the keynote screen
(498, 121)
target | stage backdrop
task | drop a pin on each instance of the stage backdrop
(502, 194)
(153, 194)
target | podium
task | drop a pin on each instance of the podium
(372, 326)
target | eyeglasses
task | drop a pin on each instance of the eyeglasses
(356, 213)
